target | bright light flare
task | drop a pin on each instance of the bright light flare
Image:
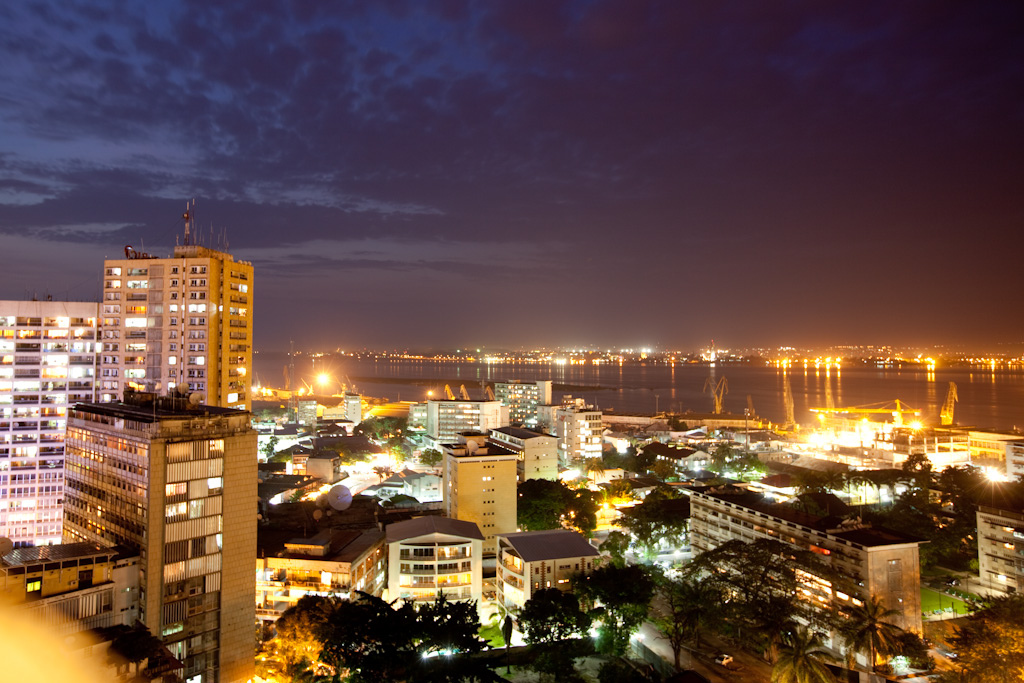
(323, 378)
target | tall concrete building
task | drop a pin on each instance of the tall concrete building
(522, 400)
(537, 453)
(578, 428)
(480, 485)
(447, 418)
(1000, 546)
(178, 482)
(184, 320)
(49, 356)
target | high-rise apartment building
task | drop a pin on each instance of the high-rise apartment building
(177, 481)
(48, 361)
(447, 418)
(1000, 546)
(578, 428)
(480, 485)
(537, 453)
(522, 399)
(184, 320)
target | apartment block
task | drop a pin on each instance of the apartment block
(49, 359)
(1014, 455)
(522, 400)
(1001, 549)
(71, 587)
(178, 482)
(433, 556)
(446, 419)
(871, 561)
(579, 429)
(537, 452)
(480, 485)
(331, 562)
(183, 321)
(531, 560)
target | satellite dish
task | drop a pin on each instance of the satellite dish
(318, 514)
(472, 446)
(195, 398)
(6, 546)
(339, 497)
(182, 389)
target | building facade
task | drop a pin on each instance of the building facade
(531, 560)
(479, 483)
(176, 481)
(433, 556)
(49, 360)
(332, 562)
(179, 321)
(522, 399)
(578, 428)
(1014, 454)
(446, 419)
(1001, 549)
(71, 587)
(537, 452)
(870, 562)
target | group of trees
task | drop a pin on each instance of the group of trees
(656, 520)
(545, 504)
(368, 639)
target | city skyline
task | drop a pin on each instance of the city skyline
(596, 174)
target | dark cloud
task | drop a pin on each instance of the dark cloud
(843, 172)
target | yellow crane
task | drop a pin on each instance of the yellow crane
(895, 408)
(946, 414)
(463, 393)
(448, 393)
(718, 391)
(489, 392)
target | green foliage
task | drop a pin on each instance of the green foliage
(545, 504)
(431, 457)
(991, 642)
(653, 521)
(664, 470)
(270, 448)
(687, 607)
(552, 615)
(616, 545)
(800, 659)
(617, 671)
(619, 598)
(868, 630)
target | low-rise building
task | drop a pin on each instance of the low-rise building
(433, 556)
(72, 587)
(868, 561)
(680, 457)
(531, 560)
(1000, 549)
(332, 562)
(537, 452)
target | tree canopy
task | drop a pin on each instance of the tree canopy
(991, 642)
(545, 504)
(619, 598)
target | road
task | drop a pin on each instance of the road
(746, 668)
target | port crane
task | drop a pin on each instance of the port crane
(448, 393)
(718, 391)
(463, 393)
(946, 414)
(897, 409)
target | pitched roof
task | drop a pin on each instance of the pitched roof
(433, 524)
(549, 544)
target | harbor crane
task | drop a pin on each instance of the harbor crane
(895, 408)
(718, 391)
(448, 393)
(489, 392)
(463, 393)
(946, 414)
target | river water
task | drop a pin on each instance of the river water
(992, 400)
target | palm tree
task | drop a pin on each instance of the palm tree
(868, 630)
(800, 659)
(595, 467)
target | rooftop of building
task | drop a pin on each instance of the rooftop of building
(850, 529)
(673, 451)
(549, 544)
(56, 553)
(519, 432)
(148, 407)
(423, 526)
(338, 545)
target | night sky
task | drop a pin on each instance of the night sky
(624, 173)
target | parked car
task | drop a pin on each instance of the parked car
(724, 660)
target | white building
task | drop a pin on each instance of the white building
(1015, 459)
(578, 428)
(446, 419)
(531, 560)
(184, 320)
(431, 556)
(538, 453)
(523, 399)
(1000, 545)
(49, 359)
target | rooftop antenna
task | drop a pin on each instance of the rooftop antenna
(189, 219)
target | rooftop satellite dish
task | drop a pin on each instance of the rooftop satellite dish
(6, 546)
(339, 497)
(182, 389)
(472, 446)
(195, 398)
(318, 514)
